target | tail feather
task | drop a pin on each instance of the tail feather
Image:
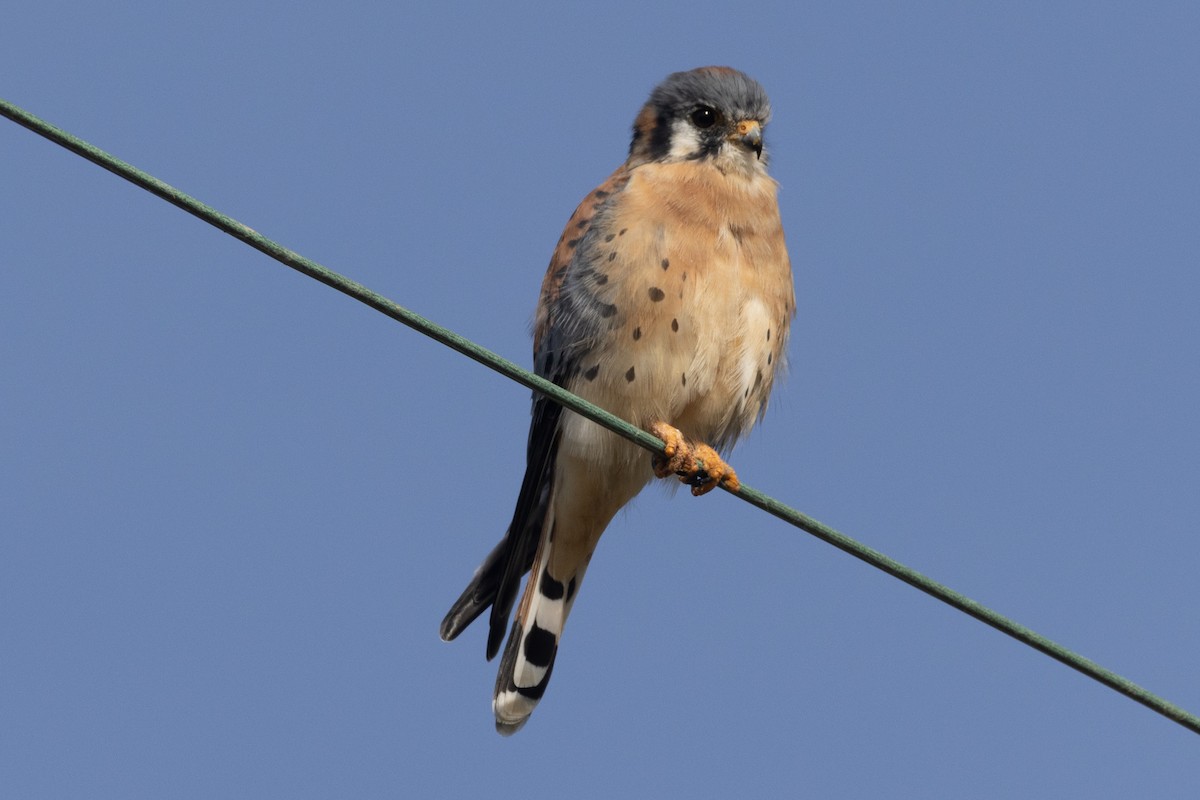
(487, 585)
(533, 643)
(513, 703)
(481, 591)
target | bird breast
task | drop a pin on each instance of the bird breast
(691, 261)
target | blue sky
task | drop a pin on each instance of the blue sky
(236, 504)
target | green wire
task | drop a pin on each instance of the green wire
(509, 369)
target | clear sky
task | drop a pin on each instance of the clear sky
(235, 504)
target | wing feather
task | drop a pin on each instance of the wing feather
(567, 322)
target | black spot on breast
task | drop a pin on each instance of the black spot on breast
(610, 237)
(539, 646)
(592, 372)
(758, 379)
(685, 276)
(675, 326)
(583, 223)
(768, 359)
(666, 262)
(629, 375)
(637, 334)
(550, 588)
(656, 294)
(685, 379)
(768, 334)
(607, 310)
(571, 244)
(600, 194)
(622, 231)
(612, 256)
(601, 279)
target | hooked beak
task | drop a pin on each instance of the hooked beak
(749, 133)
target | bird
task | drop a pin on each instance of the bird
(668, 301)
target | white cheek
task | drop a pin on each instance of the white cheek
(685, 141)
(686, 144)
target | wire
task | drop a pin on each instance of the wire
(577, 404)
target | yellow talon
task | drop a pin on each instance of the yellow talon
(679, 457)
(675, 449)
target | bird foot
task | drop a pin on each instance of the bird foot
(695, 464)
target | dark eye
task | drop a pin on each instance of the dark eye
(704, 117)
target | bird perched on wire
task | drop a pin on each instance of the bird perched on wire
(667, 302)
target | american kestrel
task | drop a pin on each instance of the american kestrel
(667, 302)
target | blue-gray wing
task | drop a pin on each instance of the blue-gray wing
(569, 318)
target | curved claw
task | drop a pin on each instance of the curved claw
(675, 450)
(714, 472)
(697, 465)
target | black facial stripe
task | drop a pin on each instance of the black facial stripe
(660, 137)
(682, 102)
(708, 149)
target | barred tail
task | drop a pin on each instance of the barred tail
(533, 641)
